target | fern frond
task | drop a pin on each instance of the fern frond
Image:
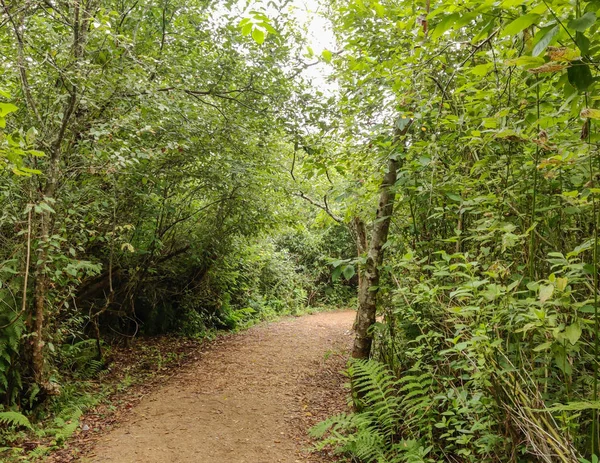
(14, 419)
(376, 385)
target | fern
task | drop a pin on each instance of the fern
(387, 406)
(377, 388)
(14, 419)
(368, 434)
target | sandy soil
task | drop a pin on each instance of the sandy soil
(249, 400)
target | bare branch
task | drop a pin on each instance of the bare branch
(324, 207)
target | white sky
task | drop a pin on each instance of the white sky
(310, 14)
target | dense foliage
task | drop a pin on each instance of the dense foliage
(489, 342)
(165, 168)
(143, 187)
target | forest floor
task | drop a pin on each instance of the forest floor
(249, 397)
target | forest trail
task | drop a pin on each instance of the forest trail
(249, 400)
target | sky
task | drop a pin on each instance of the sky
(320, 37)
(310, 15)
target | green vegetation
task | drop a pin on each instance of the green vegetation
(488, 347)
(168, 167)
(144, 191)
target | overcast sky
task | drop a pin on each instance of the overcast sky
(309, 15)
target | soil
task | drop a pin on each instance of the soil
(249, 398)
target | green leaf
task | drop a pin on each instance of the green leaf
(46, 207)
(335, 275)
(516, 26)
(580, 75)
(446, 23)
(402, 122)
(525, 61)
(7, 108)
(379, 9)
(482, 69)
(545, 41)
(581, 24)
(14, 419)
(36, 153)
(588, 113)
(546, 292)
(349, 271)
(326, 54)
(4, 94)
(246, 29)
(544, 346)
(573, 333)
(30, 171)
(582, 42)
(258, 35)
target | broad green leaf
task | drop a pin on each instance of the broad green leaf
(546, 292)
(580, 75)
(270, 29)
(575, 406)
(402, 122)
(326, 54)
(561, 283)
(46, 207)
(573, 333)
(583, 23)
(545, 41)
(582, 42)
(258, 35)
(349, 271)
(525, 61)
(544, 346)
(379, 9)
(445, 24)
(335, 274)
(482, 69)
(247, 29)
(516, 26)
(7, 108)
(30, 171)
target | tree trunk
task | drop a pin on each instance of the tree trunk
(359, 230)
(46, 220)
(360, 235)
(369, 282)
(42, 283)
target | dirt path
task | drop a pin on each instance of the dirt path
(249, 400)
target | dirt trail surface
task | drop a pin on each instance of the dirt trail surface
(248, 400)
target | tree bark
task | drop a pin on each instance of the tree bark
(369, 281)
(45, 218)
(359, 231)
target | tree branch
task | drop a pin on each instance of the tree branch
(320, 206)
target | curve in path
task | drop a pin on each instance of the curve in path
(249, 400)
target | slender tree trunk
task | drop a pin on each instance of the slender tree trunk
(39, 296)
(46, 220)
(360, 235)
(359, 230)
(42, 281)
(369, 282)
